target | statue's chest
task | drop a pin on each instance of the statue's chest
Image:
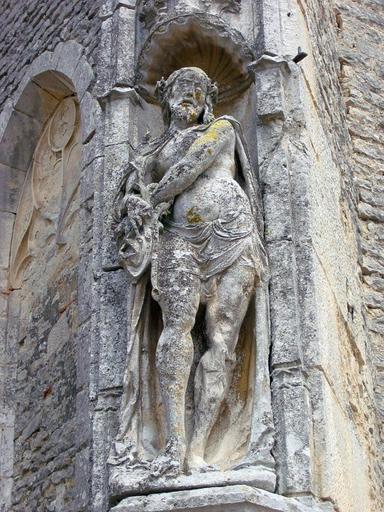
(172, 152)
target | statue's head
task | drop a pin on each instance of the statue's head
(187, 94)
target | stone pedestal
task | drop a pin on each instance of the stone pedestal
(235, 498)
(127, 483)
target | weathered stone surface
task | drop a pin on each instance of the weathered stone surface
(320, 153)
(11, 181)
(43, 320)
(39, 27)
(238, 498)
(7, 222)
(361, 61)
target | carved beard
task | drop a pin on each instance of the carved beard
(185, 112)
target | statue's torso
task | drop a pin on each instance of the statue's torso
(215, 194)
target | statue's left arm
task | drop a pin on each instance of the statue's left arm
(197, 159)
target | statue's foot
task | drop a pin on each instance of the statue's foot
(165, 465)
(197, 464)
(170, 462)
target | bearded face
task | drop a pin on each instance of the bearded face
(186, 99)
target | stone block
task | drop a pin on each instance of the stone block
(94, 148)
(83, 348)
(269, 75)
(123, 44)
(67, 55)
(19, 142)
(6, 229)
(277, 198)
(116, 156)
(284, 314)
(85, 287)
(36, 102)
(104, 72)
(114, 301)
(271, 28)
(82, 479)
(11, 182)
(90, 116)
(83, 419)
(340, 457)
(82, 77)
(89, 176)
(292, 422)
(5, 493)
(237, 498)
(120, 109)
(104, 429)
(7, 419)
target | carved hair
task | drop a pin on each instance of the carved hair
(164, 88)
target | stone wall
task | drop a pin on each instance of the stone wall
(333, 325)
(42, 322)
(361, 73)
(27, 29)
(44, 376)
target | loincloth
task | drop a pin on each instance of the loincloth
(205, 251)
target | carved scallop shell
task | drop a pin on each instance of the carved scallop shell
(199, 40)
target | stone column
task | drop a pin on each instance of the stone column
(274, 76)
(110, 314)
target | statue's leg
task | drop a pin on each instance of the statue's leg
(178, 295)
(224, 316)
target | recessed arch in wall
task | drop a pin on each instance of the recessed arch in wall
(41, 159)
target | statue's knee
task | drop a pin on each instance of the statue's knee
(175, 348)
(179, 324)
(214, 359)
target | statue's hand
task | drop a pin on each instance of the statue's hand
(151, 190)
(136, 211)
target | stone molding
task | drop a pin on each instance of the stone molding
(236, 498)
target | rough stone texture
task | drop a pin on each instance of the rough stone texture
(28, 29)
(332, 321)
(239, 498)
(317, 129)
(41, 331)
(360, 37)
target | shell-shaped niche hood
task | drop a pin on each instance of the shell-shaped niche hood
(200, 40)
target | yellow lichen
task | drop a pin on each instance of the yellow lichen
(212, 134)
(193, 217)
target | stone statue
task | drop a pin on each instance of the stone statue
(188, 220)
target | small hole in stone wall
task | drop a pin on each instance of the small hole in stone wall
(22, 342)
(339, 21)
(351, 311)
(289, 14)
(47, 392)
